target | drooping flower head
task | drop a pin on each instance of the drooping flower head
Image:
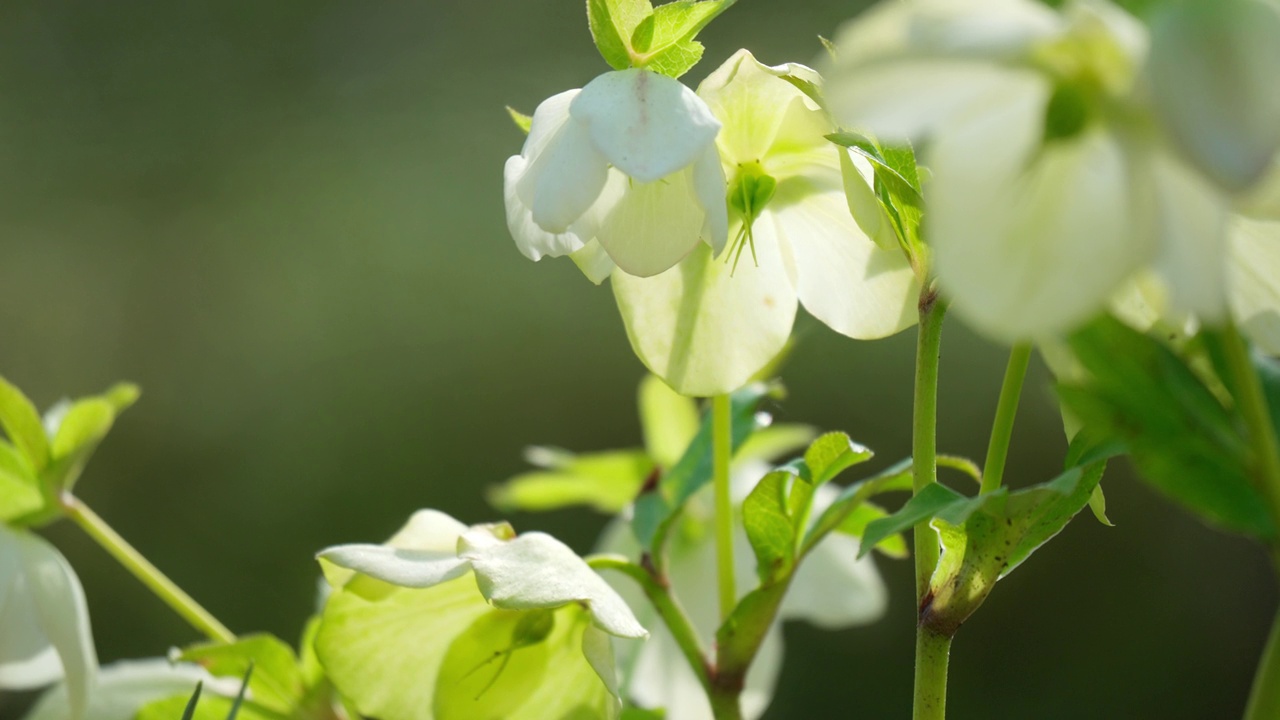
(1052, 184)
(452, 622)
(707, 325)
(623, 171)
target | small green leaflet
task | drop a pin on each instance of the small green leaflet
(632, 33)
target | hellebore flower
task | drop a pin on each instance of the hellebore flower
(707, 325)
(44, 621)
(832, 589)
(1050, 187)
(125, 687)
(626, 167)
(449, 622)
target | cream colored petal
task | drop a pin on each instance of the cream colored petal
(645, 124)
(1190, 224)
(752, 101)
(1029, 243)
(594, 262)
(842, 277)
(709, 188)
(532, 240)
(1254, 273)
(651, 226)
(1263, 201)
(705, 328)
(864, 206)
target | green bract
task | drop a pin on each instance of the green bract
(709, 324)
(446, 621)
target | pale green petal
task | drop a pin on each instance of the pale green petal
(125, 687)
(668, 420)
(63, 615)
(709, 188)
(532, 240)
(1213, 74)
(594, 262)
(27, 659)
(1263, 202)
(705, 328)
(648, 227)
(383, 646)
(1030, 243)
(864, 206)
(537, 571)
(645, 124)
(1190, 223)
(842, 277)
(1254, 272)
(752, 100)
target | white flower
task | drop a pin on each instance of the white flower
(448, 622)
(44, 621)
(1049, 188)
(707, 325)
(832, 589)
(125, 687)
(626, 166)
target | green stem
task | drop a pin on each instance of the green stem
(673, 616)
(135, 563)
(1264, 699)
(931, 649)
(932, 654)
(722, 452)
(1006, 412)
(1253, 406)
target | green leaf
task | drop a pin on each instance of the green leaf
(669, 420)
(664, 41)
(522, 121)
(656, 507)
(896, 478)
(19, 489)
(855, 525)
(1098, 505)
(635, 713)
(770, 526)
(605, 481)
(1183, 441)
(22, 423)
(831, 455)
(276, 682)
(896, 167)
(775, 441)
(924, 505)
(612, 24)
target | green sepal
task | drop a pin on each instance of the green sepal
(1183, 440)
(658, 504)
(522, 121)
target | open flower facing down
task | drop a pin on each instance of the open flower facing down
(707, 325)
(452, 622)
(623, 172)
(832, 589)
(44, 621)
(1051, 185)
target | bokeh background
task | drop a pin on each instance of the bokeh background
(284, 220)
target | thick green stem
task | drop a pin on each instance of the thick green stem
(931, 649)
(932, 654)
(722, 453)
(1006, 412)
(725, 705)
(148, 574)
(673, 616)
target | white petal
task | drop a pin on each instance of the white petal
(834, 589)
(405, 568)
(709, 188)
(1213, 75)
(597, 647)
(63, 615)
(842, 277)
(1030, 244)
(903, 68)
(533, 241)
(648, 227)
(549, 117)
(1254, 266)
(27, 659)
(704, 327)
(535, 570)
(125, 687)
(1191, 219)
(429, 530)
(594, 262)
(563, 181)
(645, 124)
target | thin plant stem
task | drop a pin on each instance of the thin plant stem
(1006, 412)
(722, 452)
(141, 568)
(1264, 699)
(672, 614)
(932, 650)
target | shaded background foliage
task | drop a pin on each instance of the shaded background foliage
(284, 221)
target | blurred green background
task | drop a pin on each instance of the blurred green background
(284, 220)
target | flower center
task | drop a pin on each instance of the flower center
(751, 190)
